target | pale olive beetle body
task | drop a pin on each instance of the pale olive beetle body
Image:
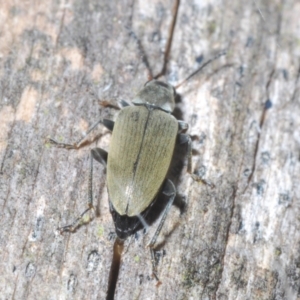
(143, 140)
(140, 153)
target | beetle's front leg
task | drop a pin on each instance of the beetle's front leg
(107, 123)
(101, 156)
(185, 138)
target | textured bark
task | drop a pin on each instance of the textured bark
(239, 240)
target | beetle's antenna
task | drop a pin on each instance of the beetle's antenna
(142, 52)
(264, 19)
(168, 46)
(202, 67)
(170, 39)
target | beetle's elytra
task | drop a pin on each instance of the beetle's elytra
(140, 153)
(141, 150)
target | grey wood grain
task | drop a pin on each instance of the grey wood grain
(239, 240)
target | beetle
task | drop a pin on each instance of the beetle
(143, 140)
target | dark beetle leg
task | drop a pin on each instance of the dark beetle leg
(182, 126)
(169, 190)
(144, 223)
(101, 156)
(107, 123)
(180, 203)
(123, 103)
(185, 138)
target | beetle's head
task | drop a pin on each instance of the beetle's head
(157, 93)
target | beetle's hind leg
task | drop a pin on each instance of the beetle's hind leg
(101, 156)
(170, 191)
(107, 123)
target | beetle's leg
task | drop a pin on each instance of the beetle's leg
(168, 190)
(185, 138)
(100, 155)
(107, 123)
(71, 227)
(180, 203)
(123, 103)
(182, 126)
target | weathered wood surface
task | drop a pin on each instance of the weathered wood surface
(237, 241)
